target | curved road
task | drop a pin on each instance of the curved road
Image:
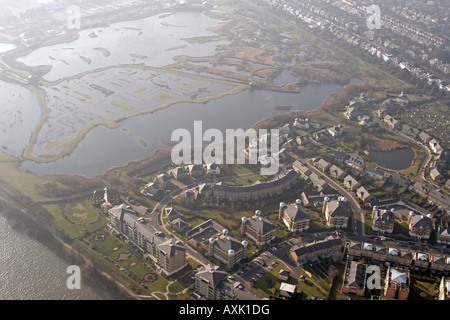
(155, 214)
(358, 225)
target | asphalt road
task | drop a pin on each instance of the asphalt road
(358, 225)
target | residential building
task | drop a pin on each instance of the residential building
(351, 183)
(434, 145)
(106, 198)
(151, 189)
(283, 275)
(258, 190)
(438, 263)
(323, 165)
(207, 281)
(367, 250)
(301, 123)
(195, 170)
(319, 181)
(363, 194)
(420, 188)
(383, 220)
(354, 250)
(379, 253)
(321, 135)
(339, 156)
(354, 279)
(399, 179)
(172, 213)
(302, 253)
(213, 283)
(180, 225)
(443, 235)
(392, 255)
(171, 256)
(212, 169)
(435, 174)
(227, 250)
(258, 228)
(179, 172)
(397, 284)
(294, 216)
(410, 131)
(189, 196)
(168, 253)
(424, 137)
(287, 290)
(391, 122)
(439, 198)
(350, 112)
(336, 131)
(421, 261)
(375, 173)
(302, 168)
(314, 197)
(200, 234)
(336, 212)
(405, 258)
(420, 226)
(303, 140)
(355, 162)
(205, 190)
(336, 172)
(162, 179)
(444, 289)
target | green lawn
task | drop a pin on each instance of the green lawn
(268, 284)
(141, 269)
(81, 212)
(73, 230)
(423, 290)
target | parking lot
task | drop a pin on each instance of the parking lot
(260, 265)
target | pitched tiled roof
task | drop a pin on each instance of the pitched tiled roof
(301, 250)
(260, 225)
(337, 208)
(213, 274)
(295, 212)
(357, 275)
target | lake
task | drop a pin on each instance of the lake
(154, 40)
(19, 114)
(4, 47)
(103, 148)
(397, 159)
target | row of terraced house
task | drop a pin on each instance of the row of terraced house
(394, 255)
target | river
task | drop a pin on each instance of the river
(29, 271)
